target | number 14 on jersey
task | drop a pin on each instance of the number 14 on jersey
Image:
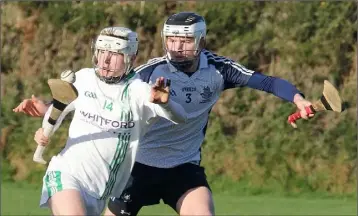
(108, 105)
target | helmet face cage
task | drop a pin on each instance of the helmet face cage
(106, 56)
(184, 25)
(189, 54)
(115, 41)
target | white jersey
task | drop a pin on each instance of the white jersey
(108, 121)
(168, 145)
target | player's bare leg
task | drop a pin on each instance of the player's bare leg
(67, 202)
(196, 201)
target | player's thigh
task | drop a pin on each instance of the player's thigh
(196, 201)
(75, 202)
(67, 202)
(63, 194)
(186, 183)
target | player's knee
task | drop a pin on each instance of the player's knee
(119, 207)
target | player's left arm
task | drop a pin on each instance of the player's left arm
(236, 75)
(280, 88)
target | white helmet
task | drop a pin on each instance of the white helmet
(117, 40)
(184, 24)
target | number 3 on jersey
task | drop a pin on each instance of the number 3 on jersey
(108, 106)
(188, 98)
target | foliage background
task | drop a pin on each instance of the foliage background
(249, 143)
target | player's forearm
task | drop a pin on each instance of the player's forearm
(274, 85)
(172, 111)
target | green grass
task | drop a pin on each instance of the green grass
(17, 199)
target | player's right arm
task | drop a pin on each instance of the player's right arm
(33, 107)
(39, 137)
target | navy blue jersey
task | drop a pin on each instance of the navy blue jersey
(167, 144)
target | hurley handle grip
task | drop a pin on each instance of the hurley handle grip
(297, 115)
(40, 148)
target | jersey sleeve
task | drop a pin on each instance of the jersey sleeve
(279, 87)
(234, 74)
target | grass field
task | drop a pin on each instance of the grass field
(23, 200)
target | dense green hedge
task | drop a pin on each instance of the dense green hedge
(248, 139)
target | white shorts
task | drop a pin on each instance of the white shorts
(55, 181)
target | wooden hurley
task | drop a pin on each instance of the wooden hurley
(330, 100)
(63, 93)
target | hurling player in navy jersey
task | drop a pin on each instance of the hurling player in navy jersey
(168, 160)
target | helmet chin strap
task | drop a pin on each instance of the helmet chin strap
(185, 65)
(109, 80)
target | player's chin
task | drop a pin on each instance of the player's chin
(111, 73)
(106, 73)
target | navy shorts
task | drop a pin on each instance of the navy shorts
(148, 185)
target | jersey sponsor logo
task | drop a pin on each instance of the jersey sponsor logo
(90, 94)
(104, 122)
(188, 89)
(206, 94)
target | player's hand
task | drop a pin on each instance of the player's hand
(40, 138)
(32, 107)
(160, 91)
(301, 104)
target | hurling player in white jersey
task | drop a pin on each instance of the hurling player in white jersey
(112, 112)
(168, 160)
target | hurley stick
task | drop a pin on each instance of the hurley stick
(63, 93)
(330, 100)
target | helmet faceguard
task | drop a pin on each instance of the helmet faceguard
(184, 25)
(114, 51)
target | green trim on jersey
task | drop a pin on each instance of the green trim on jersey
(130, 75)
(125, 94)
(122, 145)
(123, 142)
(53, 182)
